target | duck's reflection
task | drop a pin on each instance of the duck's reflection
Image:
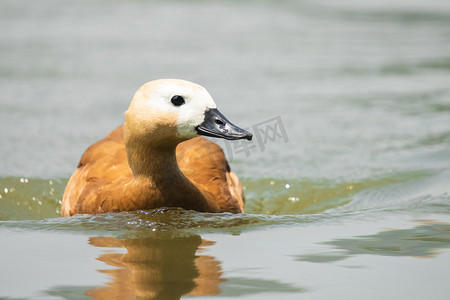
(162, 266)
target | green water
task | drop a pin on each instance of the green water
(347, 183)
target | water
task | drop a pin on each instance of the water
(352, 200)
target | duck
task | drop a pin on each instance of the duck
(159, 157)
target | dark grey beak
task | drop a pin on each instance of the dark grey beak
(216, 125)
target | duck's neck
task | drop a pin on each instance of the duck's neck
(158, 181)
(157, 164)
(157, 175)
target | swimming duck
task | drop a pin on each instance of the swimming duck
(157, 157)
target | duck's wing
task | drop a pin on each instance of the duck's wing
(204, 163)
(101, 164)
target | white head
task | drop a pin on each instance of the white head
(172, 110)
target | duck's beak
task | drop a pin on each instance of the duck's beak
(216, 125)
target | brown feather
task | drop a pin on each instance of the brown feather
(104, 181)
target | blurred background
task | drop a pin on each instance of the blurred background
(360, 88)
(352, 81)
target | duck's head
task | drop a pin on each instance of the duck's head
(170, 111)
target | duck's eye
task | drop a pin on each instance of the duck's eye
(177, 100)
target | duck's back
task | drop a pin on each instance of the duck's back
(104, 166)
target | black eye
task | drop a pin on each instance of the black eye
(177, 100)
